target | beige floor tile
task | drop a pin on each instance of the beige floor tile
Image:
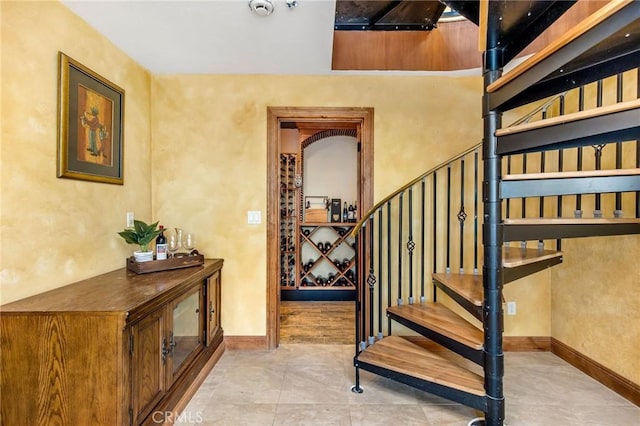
(308, 414)
(309, 384)
(374, 415)
(230, 415)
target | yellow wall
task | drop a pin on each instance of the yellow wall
(209, 152)
(595, 308)
(57, 231)
(207, 165)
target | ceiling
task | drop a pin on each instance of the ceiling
(227, 37)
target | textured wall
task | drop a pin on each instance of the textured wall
(219, 170)
(595, 309)
(57, 231)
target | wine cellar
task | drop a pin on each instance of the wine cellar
(317, 252)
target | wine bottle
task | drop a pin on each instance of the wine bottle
(161, 245)
(350, 215)
(355, 211)
(345, 213)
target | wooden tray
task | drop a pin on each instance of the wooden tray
(164, 265)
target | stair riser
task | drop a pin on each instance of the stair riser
(584, 185)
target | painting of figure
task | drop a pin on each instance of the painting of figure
(95, 123)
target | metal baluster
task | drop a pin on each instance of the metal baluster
(448, 252)
(435, 228)
(359, 319)
(400, 203)
(388, 264)
(422, 238)
(371, 281)
(523, 200)
(380, 272)
(462, 216)
(618, 209)
(560, 169)
(542, 169)
(598, 153)
(411, 245)
(508, 200)
(578, 210)
(475, 213)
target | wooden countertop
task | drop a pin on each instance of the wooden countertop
(118, 292)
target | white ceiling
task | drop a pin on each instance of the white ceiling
(216, 36)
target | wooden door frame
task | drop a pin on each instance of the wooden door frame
(325, 115)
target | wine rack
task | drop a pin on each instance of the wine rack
(288, 220)
(327, 256)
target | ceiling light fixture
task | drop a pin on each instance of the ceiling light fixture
(261, 7)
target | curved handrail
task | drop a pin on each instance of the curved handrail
(524, 118)
(544, 106)
(365, 217)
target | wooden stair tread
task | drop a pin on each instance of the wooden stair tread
(469, 286)
(399, 355)
(572, 174)
(570, 118)
(513, 257)
(599, 16)
(570, 221)
(442, 320)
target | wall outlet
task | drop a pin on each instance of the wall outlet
(129, 219)
(511, 308)
(254, 217)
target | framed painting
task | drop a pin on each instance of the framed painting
(90, 125)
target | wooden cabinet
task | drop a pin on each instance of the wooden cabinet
(119, 348)
(148, 373)
(213, 307)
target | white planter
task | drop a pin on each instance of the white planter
(143, 256)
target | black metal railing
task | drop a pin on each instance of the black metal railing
(431, 224)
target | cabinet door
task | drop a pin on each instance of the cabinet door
(185, 332)
(213, 307)
(147, 364)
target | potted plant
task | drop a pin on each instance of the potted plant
(142, 235)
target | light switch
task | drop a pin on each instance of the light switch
(254, 217)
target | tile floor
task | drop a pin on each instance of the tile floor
(308, 384)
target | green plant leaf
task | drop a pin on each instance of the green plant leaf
(141, 234)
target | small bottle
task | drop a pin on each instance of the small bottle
(161, 245)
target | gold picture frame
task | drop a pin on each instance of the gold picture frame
(90, 125)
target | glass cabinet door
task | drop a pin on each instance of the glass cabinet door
(185, 337)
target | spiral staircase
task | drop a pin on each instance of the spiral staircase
(518, 216)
